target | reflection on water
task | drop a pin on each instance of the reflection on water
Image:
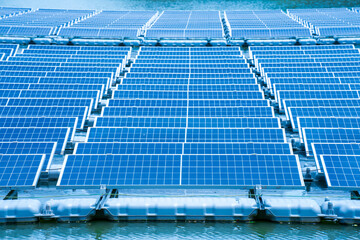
(179, 4)
(171, 230)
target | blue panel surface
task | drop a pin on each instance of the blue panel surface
(121, 170)
(241, 170)
(24, 148)
(342, 171)
(97, 134)
(50, 134)
(20, 171)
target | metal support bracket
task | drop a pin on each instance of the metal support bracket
(355, 195)
(257, 195)
(105, 194)
(12, 195)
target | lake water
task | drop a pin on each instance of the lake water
(110, 230)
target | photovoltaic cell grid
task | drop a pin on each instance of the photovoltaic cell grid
(329, 21)
(342, 171)
(24, 148)
(46, 134)
(186, 24)
(333, 149)
(111, 24)
(20, 171)
(263, 25)
(150, 125)
(180, 171)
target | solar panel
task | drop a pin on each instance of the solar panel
(109, 134)
(41, 122)
(176, 170)
(314, 95)
(49, 134)
(333, 149)
(186, 81)
(61, 94)
(20, 171)
(153, 122)
(32, 111)
(78, 87)
(241, 170)
(295, 112)
(309, 87)
(329, 135)
(121, 170)
(291, 103)
(192, 88)
(184, 103)
(233, 122)
(272, 135)
(70, 102)
(328, 122)
(24, 148)
(179, 148)
(128, 148)
(190, 112)
(342, 171)
(237, 148)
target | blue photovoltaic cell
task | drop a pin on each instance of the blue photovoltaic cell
(329, 135)
(233, 122)
(342, 171)
(294, 113)
(273, 135)
(61, 94)
(153, 122)
(3, 101)
(74, 80)
(14, 86)
(147, 102)
(50, 134)
(128, 148)
(41, 122)
(78, 87)
(69, 102)
(231, 112)
(310, 87)
(191, 112)
(237, 148)
(333, 149)
(328, 122)
(32, 111)
(20, 171)
(145, 111)
(281, 95)
(47, 148)
(184, 95)
(192, 88)
(241, 170)
(88, 171)
(331, 80)
(103, 134)
(291, 103)
(196, 81)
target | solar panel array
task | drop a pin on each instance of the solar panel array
(111, 24)
(185, 117)
(41, 22)
(186, 24)
(263, 25)
(322, 104)
(40, 114)
(329, 21)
